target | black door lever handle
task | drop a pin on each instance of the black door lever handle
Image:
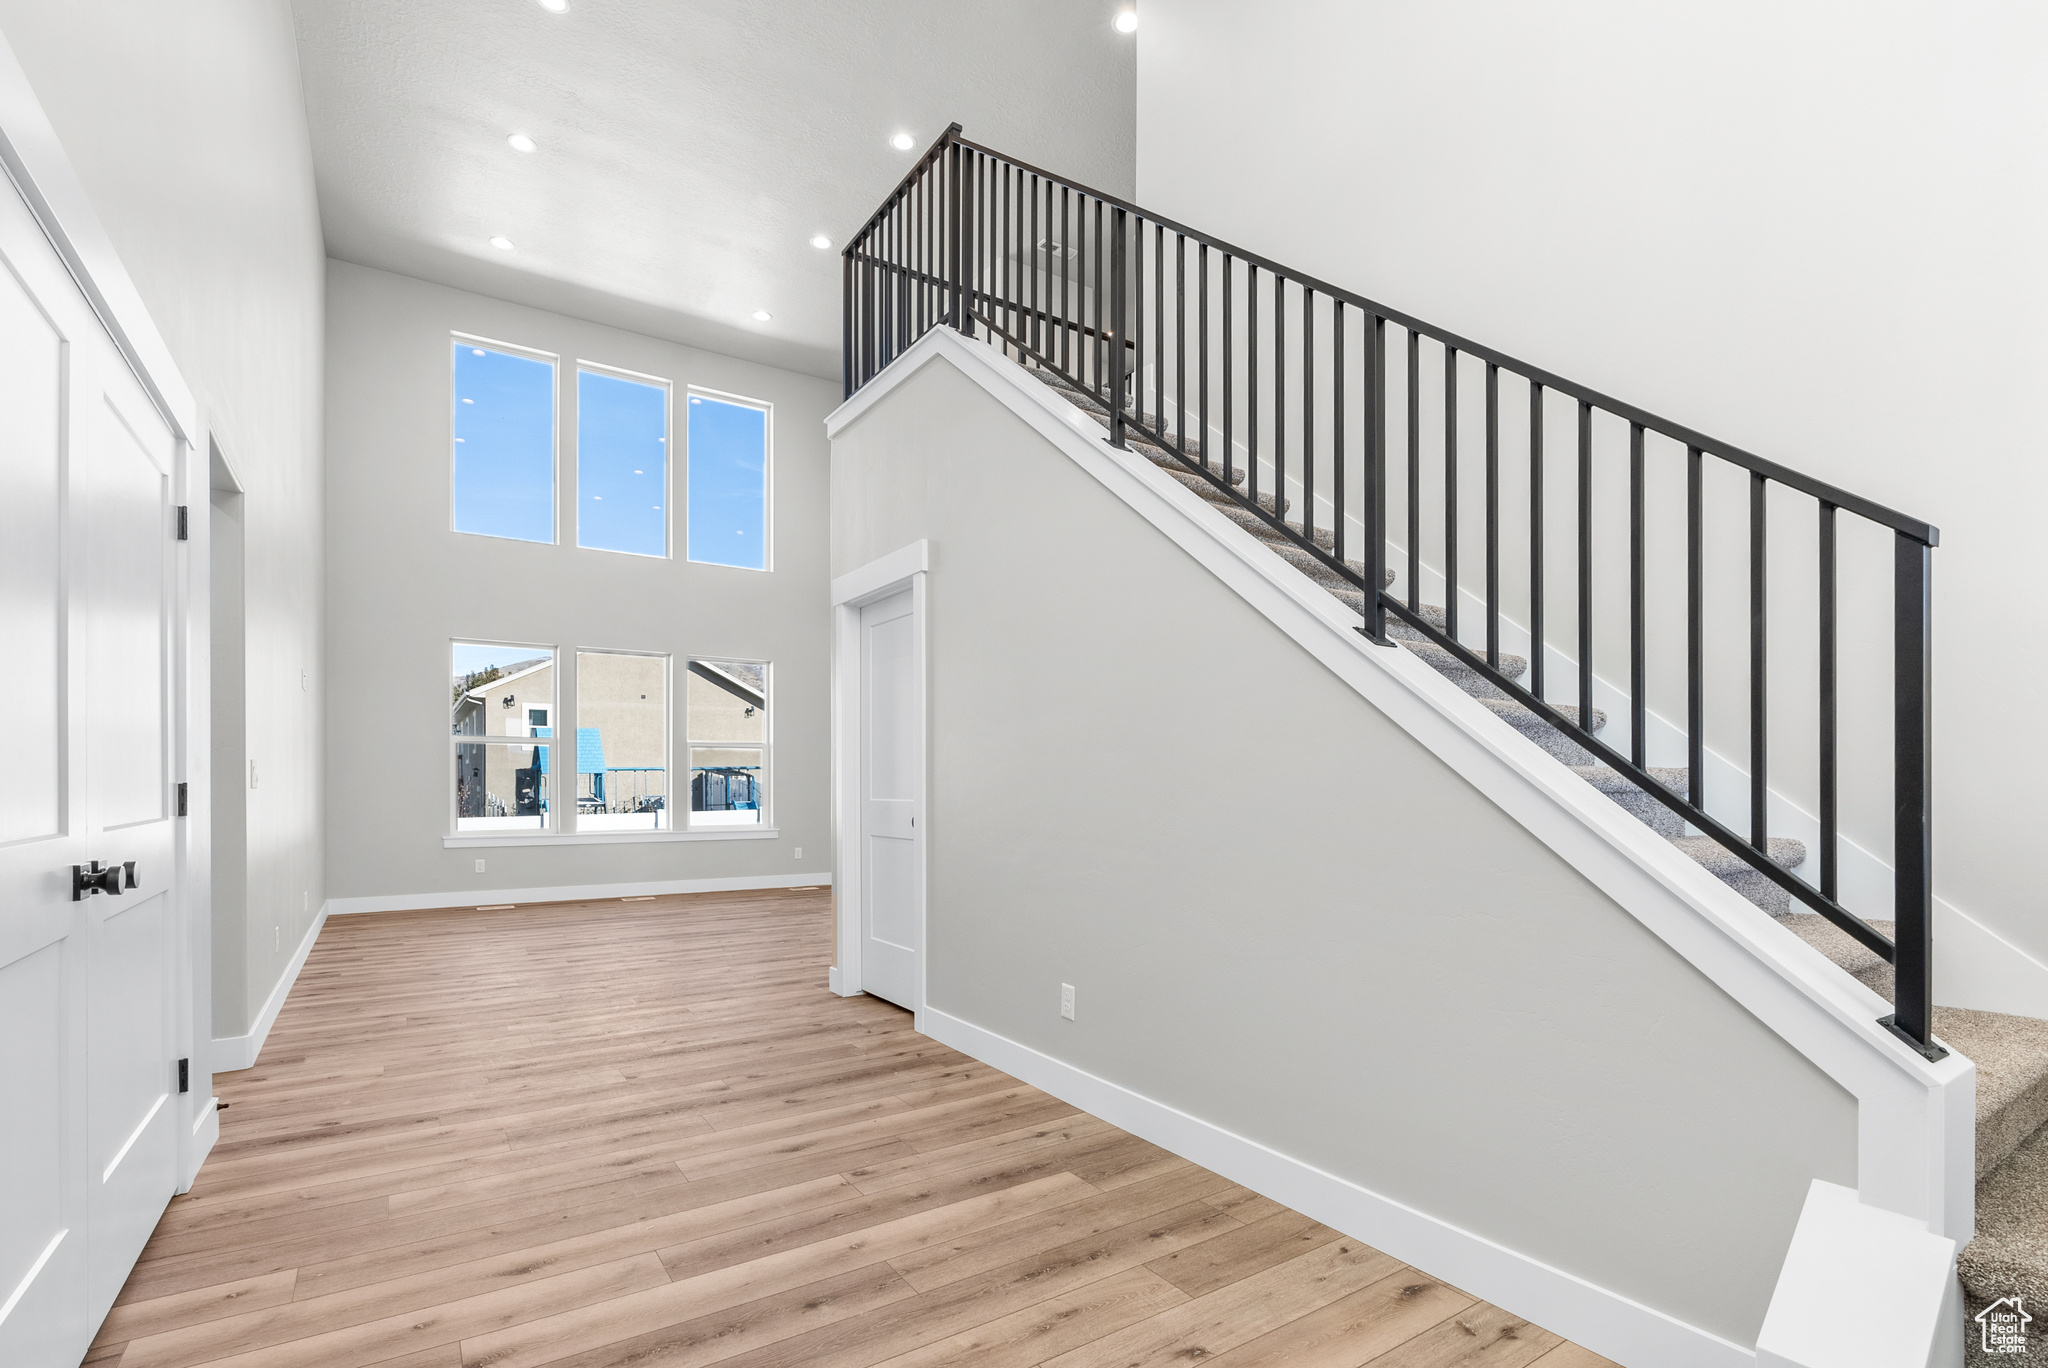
(89, 879)
(129, 865)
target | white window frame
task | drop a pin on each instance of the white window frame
(668, 738)
(462, 339)
(551, 820)
(668, 470)
(767, 409)
(767, 742)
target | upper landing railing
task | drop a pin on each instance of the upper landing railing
(1245, 370)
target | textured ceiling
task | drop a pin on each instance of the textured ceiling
(688, 149)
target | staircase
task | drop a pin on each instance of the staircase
(2010, 1253)
(1099, 298)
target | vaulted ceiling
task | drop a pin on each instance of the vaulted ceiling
(686, 150)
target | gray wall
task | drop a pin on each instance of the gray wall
(1795, 227)
(1285, 917)
(401, 585)
(187, 128)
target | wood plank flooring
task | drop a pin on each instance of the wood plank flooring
(588, 1135)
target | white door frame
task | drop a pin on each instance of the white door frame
(32, 157)
(877, 580)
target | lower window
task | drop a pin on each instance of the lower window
(621, 742)
(500, 699)
(728, 743)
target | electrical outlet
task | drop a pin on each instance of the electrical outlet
(305, 901)
(1067, 1001)
(276, 939)
(479, 866)
(252, 774)
(799, 852)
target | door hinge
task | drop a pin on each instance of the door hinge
(184, 524)
(182, 789)
(184, 1075)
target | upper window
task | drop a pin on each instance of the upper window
(621, 463)
(504, 443)
(728, 482)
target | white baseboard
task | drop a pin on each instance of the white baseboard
(239, 1052)
(478, 897)
(1594, 1317)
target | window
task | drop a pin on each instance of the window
(621, 463)
(622, 710)
(504, 443)
(728, 736)
(728, 462)
(501, 768)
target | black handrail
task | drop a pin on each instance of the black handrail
(960, 242)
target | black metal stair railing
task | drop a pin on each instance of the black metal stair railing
(1162, 323)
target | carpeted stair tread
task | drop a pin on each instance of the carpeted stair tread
(1843, 950)
(1715, 858)
(2011, 1055)
(2010, 1253)
(1610, 780)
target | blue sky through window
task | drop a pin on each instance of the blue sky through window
(728, 484)
(621, 464)
(504, 444)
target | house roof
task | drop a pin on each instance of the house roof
(484, 690)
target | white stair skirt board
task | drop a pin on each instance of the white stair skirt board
(420, 902)
(1591, 1316)
(1916, 1124)
(239, 1052)
(1862, 1288)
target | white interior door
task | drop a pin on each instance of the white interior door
(891, 802)
(88, 1150)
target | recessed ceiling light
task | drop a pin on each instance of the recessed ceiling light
(1126, 20)
(821, 242)
(554, 6)
(902, 142)
(503, 244)
(762, 315)
(520, 142)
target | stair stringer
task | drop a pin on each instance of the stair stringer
(1916, 1122)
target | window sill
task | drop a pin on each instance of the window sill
(522, 838)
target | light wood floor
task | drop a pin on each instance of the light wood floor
(643, 1133)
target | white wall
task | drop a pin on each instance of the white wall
(1287, 919)
(1809, 230)
(401, 585)
(186, 126)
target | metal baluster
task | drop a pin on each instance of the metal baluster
(1066, 361)
(958, 208)
(1830, 871)
(1337, 429)
(1695, 633)
(1229, 432)
(1158, 333)
(1202, 356)
(846, 320)
(1251, 382)
(1585, 566)
(1308, 414)
(1376, 480)
(1638, 653)
(1117, 306)
(1912, 836)
(1759, 725)
(1536, 540)
(1101, 353)
(1451, 492)
(1492, 515)
(1180, 340)
(1137, 338)
(1280, 397)
(1414, 471)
